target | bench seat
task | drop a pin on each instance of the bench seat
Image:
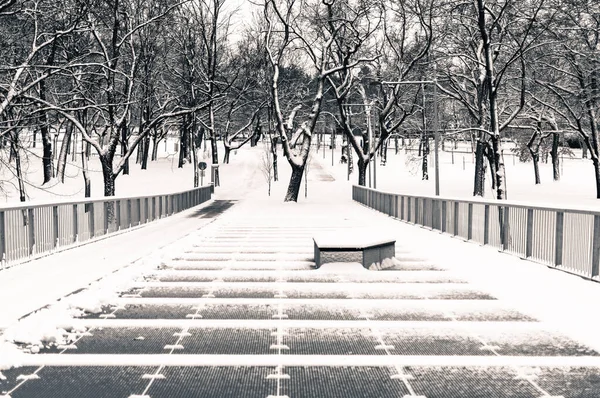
(375, 247)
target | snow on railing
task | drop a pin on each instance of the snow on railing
(30, 230)
(568, 239)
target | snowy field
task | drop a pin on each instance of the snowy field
(162, 176)
(402, 174)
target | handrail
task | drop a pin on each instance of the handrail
(30, 229)
(564, 238)
(521, 204)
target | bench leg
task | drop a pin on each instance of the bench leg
(377, 254)
(317, 256)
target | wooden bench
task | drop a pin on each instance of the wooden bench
(374, 249)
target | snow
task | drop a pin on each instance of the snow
(402, 174)
(352, 238)
(108, 266)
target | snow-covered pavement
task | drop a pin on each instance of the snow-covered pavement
(234, 307)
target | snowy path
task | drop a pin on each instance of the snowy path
(236, 309)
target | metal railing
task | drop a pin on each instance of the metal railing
(28, 230)
(568, 239)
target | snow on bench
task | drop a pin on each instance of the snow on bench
(376, 248)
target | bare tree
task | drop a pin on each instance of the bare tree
(397, 59)
(266, 165)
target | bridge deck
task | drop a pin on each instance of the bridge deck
(239, 311)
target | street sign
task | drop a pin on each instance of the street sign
(202, 165)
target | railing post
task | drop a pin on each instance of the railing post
(106, 213)
(417, 211)
(395, 206)
(128, 213)
(470, 222)
(139, 210)
(2, 239)
(55, 226)
(596, 247)
(558, 248)
(153, 208)
(455, 219)
(146, 209)
(91, 221)
(75, 224)
(504, 227)
(118, 213)
(486, 225)
(160, 207)
(31, 229)
(529, 241)
(443, 227)
(402, 208)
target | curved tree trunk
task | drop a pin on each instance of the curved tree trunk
(226, 154)
(295, 184)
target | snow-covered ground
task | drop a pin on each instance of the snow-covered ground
(402, 174)
(563, 300)
(162, 176)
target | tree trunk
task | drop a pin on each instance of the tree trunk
(274, 152)
(425, 166)
(536, 167)
(226, 155)
(155, 143)
(479, 182)
(488, 153)
(46, 139)
(17, 157)
(124, 146)
(74, 143)
(182, 142)
(109, 186)
(295, 184)
(47, 154)
(362, 172)
(47, 151)
(596, 164)
(145, 150)
(108, 175)
(555, 158)
(213, 148)
(195, 162)
(86, 178)
(62, 156)
(499, 171)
